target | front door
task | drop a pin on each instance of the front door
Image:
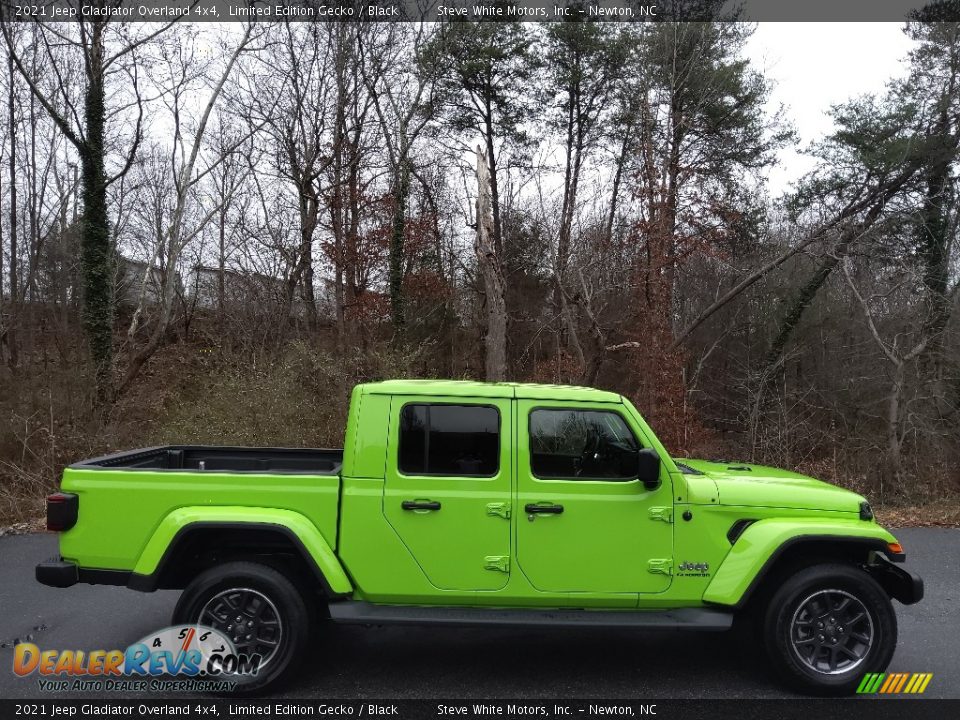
(584, 520)
(448, 486)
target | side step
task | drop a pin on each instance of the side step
(364, 613)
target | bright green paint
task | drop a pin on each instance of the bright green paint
(311, 538)
(605, 537)
(121, 509)
(451, 545)
(467, 388)
(383, 570)
(758, 485)
(597, 554)
(761, 540)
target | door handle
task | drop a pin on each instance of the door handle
(420, 505)
(534, 508)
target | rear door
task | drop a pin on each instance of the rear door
(585, 523)
(448, 485)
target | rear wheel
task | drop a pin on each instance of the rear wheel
(827, 626)
(258, 609)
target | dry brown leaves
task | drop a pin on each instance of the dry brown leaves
(23, 528)
(934, 515)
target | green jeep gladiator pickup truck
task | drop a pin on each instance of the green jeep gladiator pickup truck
(481, 503)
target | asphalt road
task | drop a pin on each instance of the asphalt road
(358, 662)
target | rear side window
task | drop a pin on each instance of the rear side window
(581, 445)
(459, 440)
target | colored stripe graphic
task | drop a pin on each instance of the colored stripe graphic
(875, 680)
(866, 682)
(894, 683)
(876, 683)
(888, 683)
(901, 683)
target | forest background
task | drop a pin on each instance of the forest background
(209, 234)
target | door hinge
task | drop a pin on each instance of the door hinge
(501, 563)
(662, 513)
(660, 566)
(499, 509)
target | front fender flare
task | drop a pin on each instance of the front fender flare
(756, 550)
(296, 526)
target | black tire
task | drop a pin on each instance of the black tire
(252, 581)
(826, 626)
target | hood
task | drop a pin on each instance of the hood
(762, 486)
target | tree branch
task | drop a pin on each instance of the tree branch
(58, 119)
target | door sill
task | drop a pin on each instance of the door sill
(358, 612)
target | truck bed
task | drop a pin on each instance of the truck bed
(199, 458)
(129, 494)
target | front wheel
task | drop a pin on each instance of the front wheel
(258, 609)
(827, 626)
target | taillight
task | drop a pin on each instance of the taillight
(62, 511)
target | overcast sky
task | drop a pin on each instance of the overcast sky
(816, 65)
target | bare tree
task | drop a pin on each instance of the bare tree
(185, 156)
(104, 58)
(403, 101)
(489, 261)
(297, 121)
(586, 61)
(899, 360)
(13, 265)
(347, 202)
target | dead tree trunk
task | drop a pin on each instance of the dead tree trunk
(11, 339)
(401, 189)
(489, 261)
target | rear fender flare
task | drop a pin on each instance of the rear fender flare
(303, 533)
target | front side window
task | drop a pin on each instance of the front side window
(581, 444)
(462, 440)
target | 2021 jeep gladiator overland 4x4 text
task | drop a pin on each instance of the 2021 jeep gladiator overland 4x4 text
(475, 503)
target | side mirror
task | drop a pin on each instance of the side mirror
(648, 468)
